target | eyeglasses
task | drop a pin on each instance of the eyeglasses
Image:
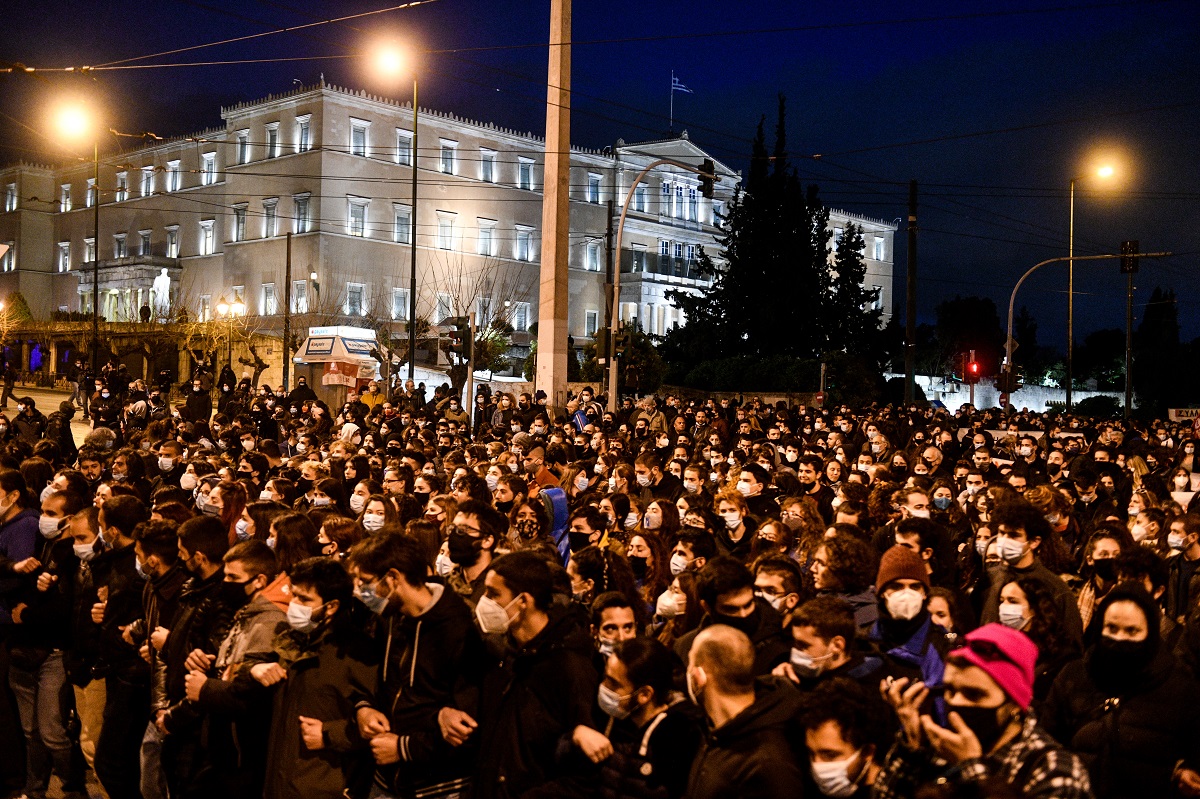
(470, 532)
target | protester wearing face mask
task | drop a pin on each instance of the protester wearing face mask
(1100, 558)
(778, 580)
(1129, 677)
(654, 740)
(1183, 579)
(725, 589)
(847, 733)
(735, 535)
(40, 624)
(1026, 606)
(250, 567)
(904, 636)
(842, 567)
(475, 529)
(525, 710)
(613, 621)
(1020, 532)
(990, 732)
(824, 646)
(390, 579)
(748, 753)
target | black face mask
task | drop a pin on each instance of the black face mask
(504, 507)
(1115, 663)
(639, 566)
(984, 722)
(747, 624)
(234, 595)
(304, 485)
(464, 549)
(1105, 569)
(422, 497)
(579, 541)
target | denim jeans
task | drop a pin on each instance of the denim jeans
(154, 780)
(40, 695)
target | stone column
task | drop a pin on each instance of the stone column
(554, 289)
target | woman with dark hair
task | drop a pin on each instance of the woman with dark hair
(281, 490)
(677, 610)
(377, 514)
(528, 526)
(357, 467)
(1028, 606)
(595, 570)
(948, 610)
(650, 560)
(256, 519)
(363, 490)
(428, 535)
(228, 499)
(294, 538)
(1128, 707)
(662, 518)
(331, 492)
(37, 473)
(654, 737)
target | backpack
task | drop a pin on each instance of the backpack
(555, 500)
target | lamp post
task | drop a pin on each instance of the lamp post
(73, 122)
(392, 62)
(1103, 172)
(230, 312)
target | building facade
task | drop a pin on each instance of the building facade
(332, 167)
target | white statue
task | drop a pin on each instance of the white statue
(161, 302)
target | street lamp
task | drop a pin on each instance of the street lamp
(74, 123)
(391, 62)
(230, 312)
(1105, 171)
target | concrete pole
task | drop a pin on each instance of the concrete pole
(554, 292)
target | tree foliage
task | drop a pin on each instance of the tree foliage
(642, 368)
(777, 290)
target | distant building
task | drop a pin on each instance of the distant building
(333, 167)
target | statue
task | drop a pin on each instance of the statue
(162, 294)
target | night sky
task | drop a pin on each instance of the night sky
(1056, 82)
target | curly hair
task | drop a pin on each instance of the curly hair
(1047, 628)
(851, 562)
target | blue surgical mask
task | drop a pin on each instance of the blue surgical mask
(137, 564)
(374, 602)
(942, 503)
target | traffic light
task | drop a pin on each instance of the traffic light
(1008, 382)
(1129, 257)
(971, 375)
(624, 344)
(708, 173)
(459, 334)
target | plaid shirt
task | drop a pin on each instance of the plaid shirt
(1033, 762)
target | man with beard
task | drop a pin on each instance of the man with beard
(808, 469)
(991, 733)
(476, 530)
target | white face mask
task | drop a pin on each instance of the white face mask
(905, 604)
(598, 468)
(299, 617)
(85, 552)
(581, 482)
(732, 519)
(631, 521)
(833, 777)
(919, 513)
(444, 565)
(48, 526)
(651, 522)
(266, 496)
(744, 488)
(187, 481)
(47, 491)
(166, 464)
(372, 522)
(679, 564)
(492, 616)
(1175, 540)
(357, 502)
(318, 502)
(1011, 616)
(492, 481)
(669, 605)
(1010, 550)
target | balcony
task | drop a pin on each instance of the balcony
(662, 268)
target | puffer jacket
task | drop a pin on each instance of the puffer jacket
(1130, 741)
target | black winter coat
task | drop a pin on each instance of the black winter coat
(750, 756)
(532, 699)
(1130, 742)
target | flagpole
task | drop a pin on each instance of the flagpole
(672, 117)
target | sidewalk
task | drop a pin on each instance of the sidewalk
(47, 400)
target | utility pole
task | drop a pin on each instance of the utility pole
(470, 362)
(609, 343)
(412, 246)
(287, 313)
(910, 313)
(1129, 265)
(554, 293)
(971, 377)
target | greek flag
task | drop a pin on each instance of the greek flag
(677, 86)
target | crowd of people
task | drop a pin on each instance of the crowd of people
(402, 597)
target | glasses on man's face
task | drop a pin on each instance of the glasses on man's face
(461, 529)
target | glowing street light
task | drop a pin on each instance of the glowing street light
(1106, 171)
(391, 63)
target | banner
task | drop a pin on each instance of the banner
(338, 373)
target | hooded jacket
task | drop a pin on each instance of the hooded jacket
(430, 662)
(750, 756)
(1130, 736)
(531, 698)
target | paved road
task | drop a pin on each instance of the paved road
(47, 401)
